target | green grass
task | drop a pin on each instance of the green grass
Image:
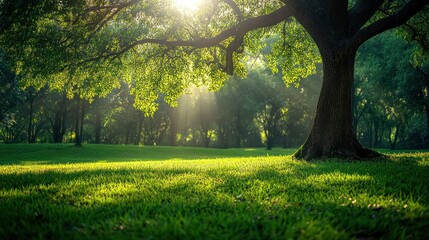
(111, 192)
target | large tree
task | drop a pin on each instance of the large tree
(165, 48)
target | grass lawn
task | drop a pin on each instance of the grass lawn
(123, 192)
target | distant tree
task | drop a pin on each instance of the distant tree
(298, 114)
(98, 109)
(388, 91)
(269, 99)
(156, 127)
(204, 114)
(8, 88)
(34, 100)
(237, 105)
(56, 112)
(122, 120)
(12, 128)
(423, 94)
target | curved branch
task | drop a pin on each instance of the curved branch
(361, 12)
(242, 28)
(232, 47)
(235, 8)
(238, 32)
(395, 20)
(309, 18)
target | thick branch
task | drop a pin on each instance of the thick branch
(235, 8)
(395, 20)
(309, 18)
(238, 31)
(242, 28)
(232, 47)
(361, 12)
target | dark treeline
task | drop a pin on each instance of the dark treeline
(391, 109)
(391, 102)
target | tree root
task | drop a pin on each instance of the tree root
(351, 154)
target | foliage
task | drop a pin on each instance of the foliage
(8, 88)
(87, 48)
(99, 192)
(295, 53)
(389, 93)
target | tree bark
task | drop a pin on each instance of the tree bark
(78, 139)
(332, 132)
(97, 126)
(56, 128)
(82, 118)
(30, 118)
(58, 124)
(392, 142)
(427, 117)
(426, 102)
(370, 142)
(173, 127)
(139, 127)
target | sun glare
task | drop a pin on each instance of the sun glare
(187, 6)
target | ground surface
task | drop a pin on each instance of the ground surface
(111, 192)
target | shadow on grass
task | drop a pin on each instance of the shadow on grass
(308, 200)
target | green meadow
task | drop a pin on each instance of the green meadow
(125, 192)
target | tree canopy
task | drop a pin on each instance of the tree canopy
(90, 45)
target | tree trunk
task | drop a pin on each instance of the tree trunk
(376, 132)
(370, 142)
(56, 128)
(139, 127)
(82, 117)
(97, 126)
(427, 116)
(394, 141)
(237, 131)
(270, 143)
(332, 132)
(58, 124)
(355, 110)
(173, 127)
(78, 139)
(127, 133)
(30, 118)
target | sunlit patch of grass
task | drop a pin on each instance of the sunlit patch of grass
(153, 192)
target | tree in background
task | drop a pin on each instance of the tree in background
(8, 88)
(388, 103)
(269, 100)
(57, 111)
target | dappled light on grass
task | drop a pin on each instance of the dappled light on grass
(224, 198)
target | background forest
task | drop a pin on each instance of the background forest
(391, 108)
